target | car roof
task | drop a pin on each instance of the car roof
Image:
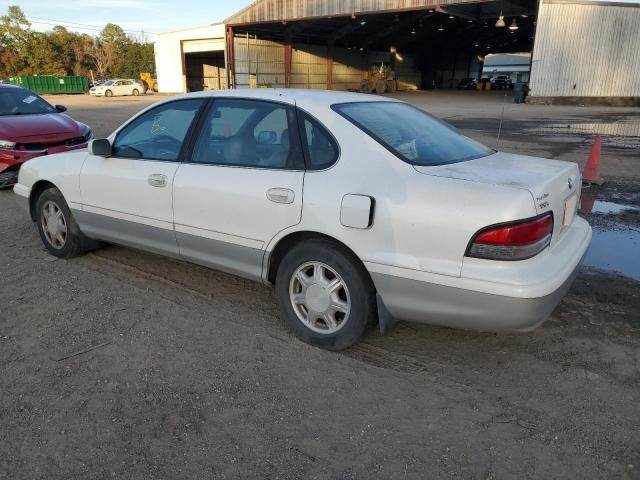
(299, 96)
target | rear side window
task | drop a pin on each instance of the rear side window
(412, 134)
(322, 149)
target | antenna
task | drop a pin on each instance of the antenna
(504, 101)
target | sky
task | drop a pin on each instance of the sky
(152, 16)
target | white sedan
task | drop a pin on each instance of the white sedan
(358, 209)
(118, 87)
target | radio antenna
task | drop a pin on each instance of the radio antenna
(504, 101)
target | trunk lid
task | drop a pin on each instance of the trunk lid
(553, 184)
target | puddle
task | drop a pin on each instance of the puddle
(588, 205)
(617, 129)
(615, 251)
(617, 134)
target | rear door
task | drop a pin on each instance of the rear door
(241, 184)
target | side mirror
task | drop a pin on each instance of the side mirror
(100, 147)
(61, 108)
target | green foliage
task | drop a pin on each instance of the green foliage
(112, 53)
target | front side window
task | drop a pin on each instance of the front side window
(412, 134)
(159, 133)
(248, 133)
(19, 101)
(321, 147)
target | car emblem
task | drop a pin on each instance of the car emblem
(570, 183)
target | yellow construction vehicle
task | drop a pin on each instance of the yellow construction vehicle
(381, 79)
(152, 83)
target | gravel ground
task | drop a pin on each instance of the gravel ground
(122, 364)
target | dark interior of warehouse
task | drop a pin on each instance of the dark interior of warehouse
(446, 42)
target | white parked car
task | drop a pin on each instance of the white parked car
(117, 87)
(357, 208)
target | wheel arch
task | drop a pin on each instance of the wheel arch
(37, 188)
(283, 245)
(286, 243)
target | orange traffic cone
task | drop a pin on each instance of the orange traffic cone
(591, 175)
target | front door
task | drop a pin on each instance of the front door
(127, 197)
(241, 185)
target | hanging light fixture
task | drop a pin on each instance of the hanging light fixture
(500, 23)
(441, 28)
(363, 22)
(514, 25)
(413, 31)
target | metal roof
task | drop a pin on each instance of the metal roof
(262, 11)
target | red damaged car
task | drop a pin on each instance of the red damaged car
(31, 127)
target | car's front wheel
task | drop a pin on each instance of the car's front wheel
(58, 229)
(135, 92)
(108, 93)
(325, 295)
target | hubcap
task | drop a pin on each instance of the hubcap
(54, 225)
(319, 297)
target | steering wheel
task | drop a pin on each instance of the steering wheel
(166, 145)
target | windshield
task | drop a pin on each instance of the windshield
(108, 82)
(411, 134)
(19, 101)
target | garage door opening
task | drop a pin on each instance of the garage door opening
(205, 71)
(426, 48)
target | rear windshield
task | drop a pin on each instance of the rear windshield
(412, 134)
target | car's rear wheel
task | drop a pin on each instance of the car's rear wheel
(108, 93)
(325, 295)
(135, 92)
(57, 227)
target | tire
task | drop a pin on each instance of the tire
(108, 93)
(70, 242)
(322, 263)
(381, 86)
(135, 92)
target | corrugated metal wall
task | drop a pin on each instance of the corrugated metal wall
(261, 63)
(584, 50)
(258, 62)
(277, 10)
(308, 67)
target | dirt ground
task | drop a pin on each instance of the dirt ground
(122, 364)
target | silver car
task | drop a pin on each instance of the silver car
(358, 209)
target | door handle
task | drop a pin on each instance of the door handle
(157, 180)
(281, 195)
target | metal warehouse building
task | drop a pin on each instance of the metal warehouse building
(586, 52)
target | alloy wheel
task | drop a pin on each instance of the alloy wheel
(54, 225)
(319, 297)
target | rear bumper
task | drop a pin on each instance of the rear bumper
(523, 308)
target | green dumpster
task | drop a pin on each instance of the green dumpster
(51, 84)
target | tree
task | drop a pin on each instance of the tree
(43, 56)
(63, 52)
(14, 34)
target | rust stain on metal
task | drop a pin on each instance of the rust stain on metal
(265, 11)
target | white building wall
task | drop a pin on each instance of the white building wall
(169, 53)
(586, 49)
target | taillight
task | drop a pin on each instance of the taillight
(513, 241)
